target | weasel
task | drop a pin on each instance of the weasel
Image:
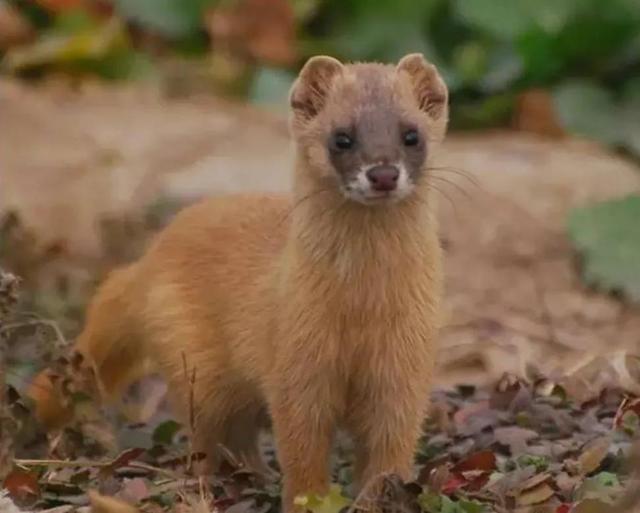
(321, 308)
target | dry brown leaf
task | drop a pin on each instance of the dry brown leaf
(22, 486)
(628, 368)
(535, 495)
(103, 504)
(515, 438)
(593, 454)
(134, 490)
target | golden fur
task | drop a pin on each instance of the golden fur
(320, 310)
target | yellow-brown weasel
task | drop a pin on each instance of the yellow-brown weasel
(322, 308)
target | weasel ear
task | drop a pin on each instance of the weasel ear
(428, 86)
(309, 92)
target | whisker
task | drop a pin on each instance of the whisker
(447, 197)
(299, 202)
(453, 184)
(460, 172)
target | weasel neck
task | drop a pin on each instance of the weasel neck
(329, 230)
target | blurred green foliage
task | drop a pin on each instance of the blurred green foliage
(606, 236)
(585, 52)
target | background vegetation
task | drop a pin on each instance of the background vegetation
(493, 53)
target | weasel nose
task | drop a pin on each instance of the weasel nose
(383, 178)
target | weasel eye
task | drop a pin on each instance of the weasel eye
(410, 138)
(343, 141)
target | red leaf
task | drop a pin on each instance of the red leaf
(482, 460)
(460, 417)
(478, 482)
(563, 508)
(22, 486)
(452, 484)
(125, 457)
(121, 460)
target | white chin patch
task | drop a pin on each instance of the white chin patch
(359, 188)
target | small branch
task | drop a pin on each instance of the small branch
(36, 322)
(94, 464)
(61, 463)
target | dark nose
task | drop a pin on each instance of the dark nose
(383, 178)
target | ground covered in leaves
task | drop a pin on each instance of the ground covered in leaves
(526, 445)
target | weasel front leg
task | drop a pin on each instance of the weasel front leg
(303, 410)
(386, 411)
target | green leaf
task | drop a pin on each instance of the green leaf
(470, 61)
(72, 42)
(587, 109)
(430, 502)
(468, 506)
(504, 66)
(607, 237)
(630, 107)
(604, 487)
(502, 19)
(529, 460)
(164, 433)
(173, 18)
(630, 422)
(433, 503)
(333, 502)
(271, 86)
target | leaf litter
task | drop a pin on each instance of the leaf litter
(545, 443)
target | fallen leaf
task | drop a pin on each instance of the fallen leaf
(482, 460)
(22, 486)
(452, 484)
(506, 391)
(515, 438)
(134, 490)
(121, 460)
(103, 504)
(591, 506)
(164, 433)
(536, 495)
(566, 483)
(593, 454)
(333, 502)
(604, 487)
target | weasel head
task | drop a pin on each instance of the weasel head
(368, 130)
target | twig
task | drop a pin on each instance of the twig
(151, 468)
(547, 318)
(35, 322)
(94, 464)
(61, 463)
(191, 380)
